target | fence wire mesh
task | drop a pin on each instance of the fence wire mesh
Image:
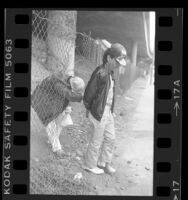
(56, 50)
(89, 48)
(54, 45)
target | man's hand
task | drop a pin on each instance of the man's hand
(68, 109)
(87, 113)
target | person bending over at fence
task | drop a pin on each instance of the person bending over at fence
(50, 100)
(99, 99)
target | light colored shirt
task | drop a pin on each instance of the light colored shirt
(110, 93)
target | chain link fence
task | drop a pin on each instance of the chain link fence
(89, 48)
(54, 46)
(57, 50)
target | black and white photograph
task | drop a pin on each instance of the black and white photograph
(92, 102)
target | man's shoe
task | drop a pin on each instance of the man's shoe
(109, 169)
(95, 170)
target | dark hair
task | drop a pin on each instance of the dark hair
(106, 53)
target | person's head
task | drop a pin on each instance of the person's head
(77, 84)
(115, 56)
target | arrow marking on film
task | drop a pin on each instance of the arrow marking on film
(176, 107)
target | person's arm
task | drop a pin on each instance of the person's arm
(90, 91)
(64, 90)
(72, 96)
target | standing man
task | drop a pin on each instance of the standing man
(99, 98)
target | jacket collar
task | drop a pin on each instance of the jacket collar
(109, 72)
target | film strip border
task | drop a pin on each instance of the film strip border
(17, 80)
(168, 103)
(17, 52)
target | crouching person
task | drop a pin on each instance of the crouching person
(51, 100)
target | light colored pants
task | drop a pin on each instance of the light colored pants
(101, 146)
(55, 127)
(53, 130)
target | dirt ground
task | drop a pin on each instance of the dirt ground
(133, 157)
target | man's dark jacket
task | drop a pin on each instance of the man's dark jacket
(96, 92)
(51, 97)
